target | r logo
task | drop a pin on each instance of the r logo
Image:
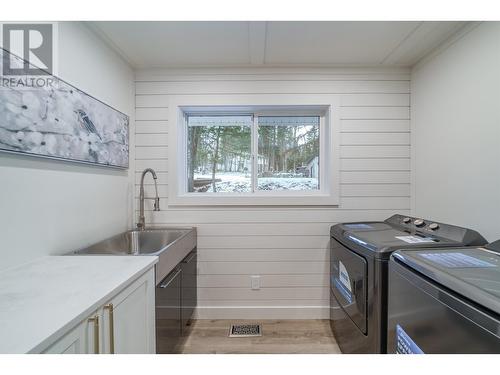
(31, 42)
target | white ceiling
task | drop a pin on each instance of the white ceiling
(293, 43)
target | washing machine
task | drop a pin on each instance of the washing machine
(444, 301)
(359, 260)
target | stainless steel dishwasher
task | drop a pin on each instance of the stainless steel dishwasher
(168, 312)
(189, 286)
(176, 299)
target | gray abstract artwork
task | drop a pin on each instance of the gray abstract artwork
(60, 121)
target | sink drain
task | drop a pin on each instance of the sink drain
(245, 330)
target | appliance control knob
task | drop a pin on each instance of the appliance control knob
(419, 223)
(406, 220)
(434, 226)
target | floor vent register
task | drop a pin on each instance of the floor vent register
(245, 330)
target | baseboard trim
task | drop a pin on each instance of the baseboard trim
(262, 312)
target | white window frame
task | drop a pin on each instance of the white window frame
(326, 106)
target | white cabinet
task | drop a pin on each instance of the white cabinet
(74, 342)
(80, 340)
(123, 325)
(128, 320)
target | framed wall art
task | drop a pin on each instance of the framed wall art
(47, 117)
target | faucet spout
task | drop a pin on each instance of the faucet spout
(141, 224)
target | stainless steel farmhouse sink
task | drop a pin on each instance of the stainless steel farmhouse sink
(171, 245)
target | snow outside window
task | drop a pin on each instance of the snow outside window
(249, 153)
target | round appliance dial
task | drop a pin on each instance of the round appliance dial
(406, 220)
(433, 226)
(419, 223)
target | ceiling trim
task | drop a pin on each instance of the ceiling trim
(112, 45)
(399, 73)
(426, 31)
(402, 42)
(271, 66)
(455, 37)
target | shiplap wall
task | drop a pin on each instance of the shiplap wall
(286, 246)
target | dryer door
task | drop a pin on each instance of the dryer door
(348, 276)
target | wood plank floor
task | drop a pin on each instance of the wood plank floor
(278, 337)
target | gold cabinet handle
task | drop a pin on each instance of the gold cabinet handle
(109, 307)
(95, 320)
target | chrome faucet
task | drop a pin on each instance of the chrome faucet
(141, 224)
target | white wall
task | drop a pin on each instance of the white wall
(456, 132)
(50, 207)
(287, 246)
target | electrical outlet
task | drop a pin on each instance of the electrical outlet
(255, 281)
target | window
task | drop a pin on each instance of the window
(219, 154)
(221, 158)
(288, 153)
(272, 154)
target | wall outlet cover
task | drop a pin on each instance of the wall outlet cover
(255, 281)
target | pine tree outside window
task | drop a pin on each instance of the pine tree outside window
(221, 157)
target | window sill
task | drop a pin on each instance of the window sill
(200, 199)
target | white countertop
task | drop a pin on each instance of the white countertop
(42, 300)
